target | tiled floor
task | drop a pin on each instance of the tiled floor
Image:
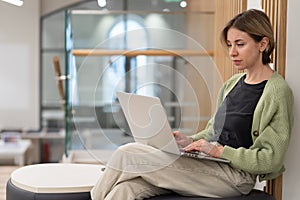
(5, 172)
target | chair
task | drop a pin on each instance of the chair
(60, 78)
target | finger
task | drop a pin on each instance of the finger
(187, 148)
(175, 133)
(190, 147)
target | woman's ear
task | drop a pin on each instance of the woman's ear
(264, 43)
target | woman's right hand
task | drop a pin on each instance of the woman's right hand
(181, 139)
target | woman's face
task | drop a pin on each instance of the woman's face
(243, 50)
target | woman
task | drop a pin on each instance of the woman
(251, 128)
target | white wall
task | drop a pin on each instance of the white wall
(255, 4)
(291, 178)
(19, 65)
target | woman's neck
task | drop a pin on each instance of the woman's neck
(258, 75)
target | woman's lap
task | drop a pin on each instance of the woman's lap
(183, 175)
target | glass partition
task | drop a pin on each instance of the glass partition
(52, 44)
(159, 53)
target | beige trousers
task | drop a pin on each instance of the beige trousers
(138, 171)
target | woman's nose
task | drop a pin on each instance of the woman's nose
(233, 51)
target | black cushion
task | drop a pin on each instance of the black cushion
(16, 193)
(254, 195)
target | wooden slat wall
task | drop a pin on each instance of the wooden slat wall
(274, 187)
(225, 10)
(277, 12)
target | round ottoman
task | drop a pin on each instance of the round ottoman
(57, 181)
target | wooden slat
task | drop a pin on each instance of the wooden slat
(281, 41)
(277, 12)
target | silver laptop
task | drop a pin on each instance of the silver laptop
(148, 122)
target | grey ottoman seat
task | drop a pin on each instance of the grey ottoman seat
(15, 193)
(74, 182)
(59, 181)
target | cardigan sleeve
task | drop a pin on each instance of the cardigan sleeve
(271, 130)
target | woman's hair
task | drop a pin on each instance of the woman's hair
(257, 25)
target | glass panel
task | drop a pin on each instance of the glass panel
(95, 119)
(93, 29)
(52, 37)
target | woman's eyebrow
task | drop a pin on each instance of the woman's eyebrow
(236, 41)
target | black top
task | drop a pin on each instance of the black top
(233, 119)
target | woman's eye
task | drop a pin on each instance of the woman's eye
(229, 45)
(240, 44)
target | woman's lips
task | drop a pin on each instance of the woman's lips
(236, 62)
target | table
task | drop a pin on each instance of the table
(38, 139)
(16, 151)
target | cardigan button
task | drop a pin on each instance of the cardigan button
(262, 176)
(256, 133)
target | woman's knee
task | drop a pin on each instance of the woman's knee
(128, 146)
(121, 190)
(135, 147)
(127, 154)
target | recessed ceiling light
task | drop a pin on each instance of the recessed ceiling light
(14, 2)
(102, 3)
(183, 4)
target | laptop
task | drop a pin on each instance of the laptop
(148, 122)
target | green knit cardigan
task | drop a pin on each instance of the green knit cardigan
(271, 129)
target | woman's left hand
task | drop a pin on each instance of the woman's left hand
(205, 147)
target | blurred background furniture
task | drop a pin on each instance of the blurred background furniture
(15, 151)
